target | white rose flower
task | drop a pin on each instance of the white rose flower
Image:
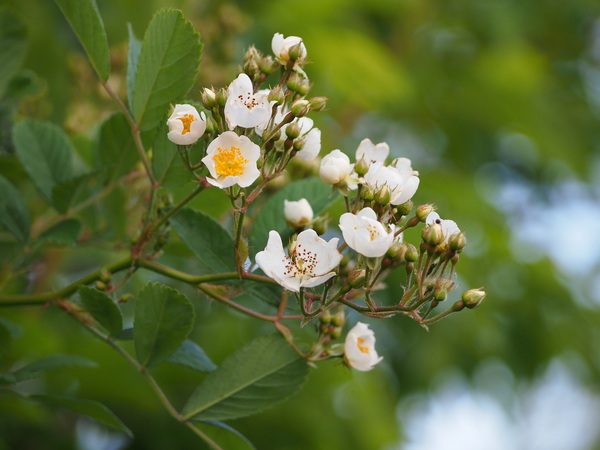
(335, 167)
(372, 153)
(281, 47)
(186, 126)
(365, 234)
(359, 348)
(449, 227)
(310, 264)
(297, 213)
(399, 178)
(243, 107)
(231, 159)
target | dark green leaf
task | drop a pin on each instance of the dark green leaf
(102, 309)
(114, 147)
(5, 338)
(65, 192)
(45, 153)
(25, 84)
(84, 18)
(12, 48)
(115, 212)
(64, 233)
(13, 213)
(225, 436)
(133, 54)
(51, 362)
(163, 320)
(258, 376)
(210, 242)
(270, 217)
(125, 335)
(191, 355)
(167, 66)
(167, 165)
(89, 408)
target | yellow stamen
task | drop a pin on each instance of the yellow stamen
(229, 162)
(362, 348)
(187, 120)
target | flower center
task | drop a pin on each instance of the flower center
(229, 162)
(373, 232)
(187, 120)
(250, 102)
(359, 344)
(301, 264)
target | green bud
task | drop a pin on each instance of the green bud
(411, 254)
(101, 285)
(293, 82)
(277, 95)
(423, 211)
(325, 316)
(221, 97)
(405, 208)
(396, 252)
(336, 332)
(361, 167)
(125, 298)
(357, 278)
(433, 234)
(293, 130)
(367, 193)
(296, 52)
(299, 144)
(473, 297)
(457, 241)
(105, 275)
(268, 65)
(300, 108)
(383, 195)
(303, 87)
(320, 225)
(318, 104)
(209, 98)
(339, 318)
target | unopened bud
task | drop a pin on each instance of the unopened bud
(339, 318)
(300, 108)
(361, 167)
(367, 193)
(383, 195)
(405, 208)
(101, 285)
(457, 241)
(293, 130)
(209, 98)
(473, 297)
(357, 278)
(221, 97)
(411, 254)
(303, 87)
(268, 65)
(320, 225)
(105, 275)
(433, 234)
(396, 252)
(276, 95)
(125, 298)
(325, 317)
(318, 104)
(423, 211)
(297, 51)
(293, 82)
(336, 332)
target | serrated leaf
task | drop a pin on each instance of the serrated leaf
(133, 55)
(64, 193)
(167, 165)
(115, 212)
(114, 147)
(167, 66)
(85, 20)
(225, 436)
(45, 152)
(163, 320)
(64, 233)
(270, 217)
(13, 213)
(191, 355)
(50, 362)
(12, 48)
(208, 240)
(255, 377)
(90, 408)
(102, 309)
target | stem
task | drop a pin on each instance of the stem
(177, 207)
(221, 299)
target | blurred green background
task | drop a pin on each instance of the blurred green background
(497, 103)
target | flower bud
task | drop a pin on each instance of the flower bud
(297, 51)
(396, 252)
(325, 317)
(318, 104)
(101, 285)
(276, 95)
(303, 87)
(383, 195)
(335, 167)
(105, 275)
(320, 225)
(268, 65)
(300, 108)
(297, 213)
(411, 254)
(293, 130)
(209, 98)
(221, 97)
(423, 211)
(457, 241)
(367, 193)
(339, 318)
(405, 208)
(433, 234)
(293, 82)
(357, 278)
(361, 167)
(473, 297)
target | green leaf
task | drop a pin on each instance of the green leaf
(65, 192)
(85, 20)
(13, 213)
(102, 309)
(63, 233)
(163, 320)
(50, 362)
(115, 212)
(270, 217)
(24, 84)
(45, 153)
(191, 355)
(114, 147)
(133, 55)
(5, 339)
(167, 165)
(90, 408)
(258, 376)
(210, 242)
(167, 67)
(225, 436)
(12, 48)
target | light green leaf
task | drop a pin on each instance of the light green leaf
(45, 153)
(270, 217)
(114, 147)
(167, 67)
(163, 320)
(167, 165)
(191, 355)
(90, 408)
(135, 45)
(225, 436)
(63, 233)
(13, 213)
(258, 376)
(51, 362)
(102, 309)
(85, 20)
(210, 242)
(12, 48)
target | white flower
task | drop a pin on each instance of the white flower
(449, 227)
(365, 234)
(372, 153)
(243, 107)
(310, 263)
(359, 348)
(186, 126)
(299, 213)
(281, 47)
(335, 167)
(231, 159)
(399, 178)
